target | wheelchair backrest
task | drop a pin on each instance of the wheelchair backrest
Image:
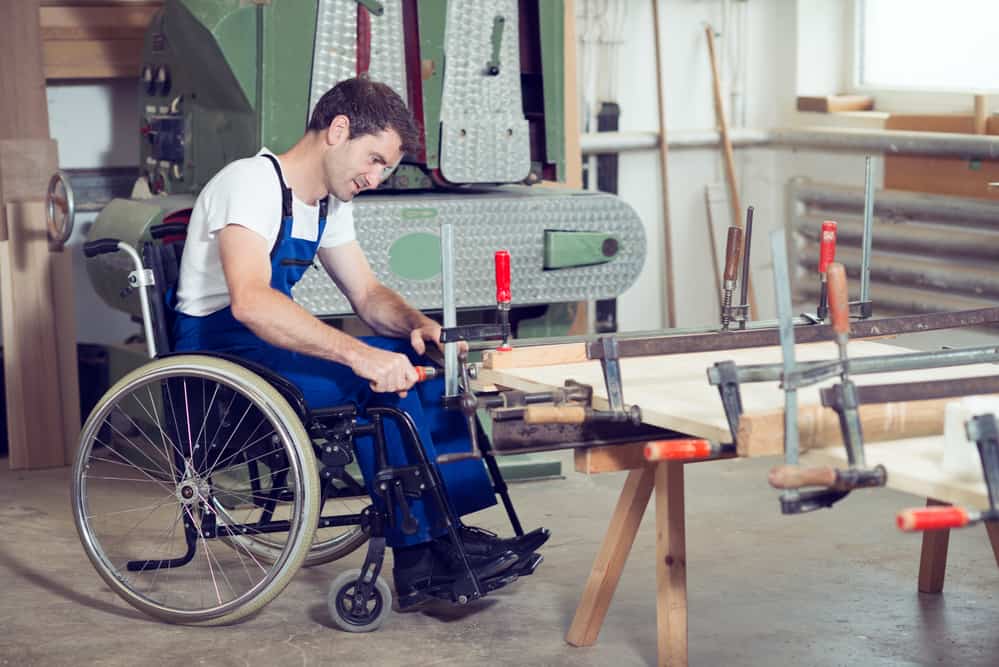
(162, 257)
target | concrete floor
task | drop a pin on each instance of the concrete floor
(831, 588)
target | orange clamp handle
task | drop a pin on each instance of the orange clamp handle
(425, 373)
(677, 450)
(827, 245)
(931, 518)
(839, 302)
(502, 260)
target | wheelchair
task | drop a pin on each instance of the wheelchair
(203, 481)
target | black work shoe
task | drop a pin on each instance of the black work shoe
(437, 569)
(484, 540)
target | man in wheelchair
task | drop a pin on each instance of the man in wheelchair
(254, 230)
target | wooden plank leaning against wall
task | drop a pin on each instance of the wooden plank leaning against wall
(39, 328)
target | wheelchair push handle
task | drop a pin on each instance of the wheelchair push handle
(100, 247)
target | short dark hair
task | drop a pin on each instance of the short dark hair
(372, 107)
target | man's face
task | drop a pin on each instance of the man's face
(361, 163)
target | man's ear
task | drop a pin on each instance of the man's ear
(338, 131)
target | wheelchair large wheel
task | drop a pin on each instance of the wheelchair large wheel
(328, 543)
(168, 445)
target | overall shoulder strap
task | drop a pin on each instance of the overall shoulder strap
(285, 191)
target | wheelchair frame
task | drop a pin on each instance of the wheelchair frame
(358, 599)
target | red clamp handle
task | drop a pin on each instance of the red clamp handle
(502, 259)
(677, 450)
(827, 245)
(931, 518)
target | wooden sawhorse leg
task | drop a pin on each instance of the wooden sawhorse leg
(671, 561)
(933, 558)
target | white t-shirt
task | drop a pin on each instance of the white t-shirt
(246, 193)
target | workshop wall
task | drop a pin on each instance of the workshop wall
(96, 125)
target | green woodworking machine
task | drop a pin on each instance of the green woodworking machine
(485, 81)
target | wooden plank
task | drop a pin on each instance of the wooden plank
(610, 560)
(673, 391)
(103, 22)
(64, 315)
(31, 361)
(671, 565)
(23, 106)
(941, 175)
(933, 556)
(573, 152)
(542, 355)
(610, 458)
(834, 103)
(26, 165)
(762, 434)
(914, 465)
(92, 59)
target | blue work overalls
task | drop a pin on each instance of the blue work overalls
(326, 384)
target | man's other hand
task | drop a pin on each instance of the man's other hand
(431, 332)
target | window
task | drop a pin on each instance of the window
(928, 45)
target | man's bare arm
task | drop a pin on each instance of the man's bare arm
(283, 323)
(380, 307)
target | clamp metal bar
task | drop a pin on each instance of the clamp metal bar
(810, 372)
(782, 290)
(449, 307)
(865, 259)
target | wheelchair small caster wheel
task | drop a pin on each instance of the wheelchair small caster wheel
(352, 615)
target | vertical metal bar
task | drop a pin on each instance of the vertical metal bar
(450, 308)
(865, 258)
(782, 292)
(748, 238)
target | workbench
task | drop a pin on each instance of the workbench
(673, 393)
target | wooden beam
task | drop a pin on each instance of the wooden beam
(610, 458)
(540, 355)
(87, 41)
(31, 358)
(93, 59)
(834, 103)
(35, 284)
(573, 152)
(663, 152)
(23, 105)
(762, 433)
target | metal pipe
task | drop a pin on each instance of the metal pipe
(892, 142)
(880, 364)
(896, 205)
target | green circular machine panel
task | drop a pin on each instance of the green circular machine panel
(416, 256)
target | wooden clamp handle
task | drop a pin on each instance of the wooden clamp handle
(931, 518)
(555, 414)
(839, 302)
(795, 477)
(733, 248)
